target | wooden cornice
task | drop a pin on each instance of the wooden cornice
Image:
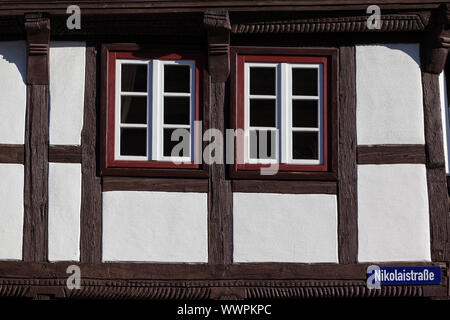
(390, 22)
(194, 281)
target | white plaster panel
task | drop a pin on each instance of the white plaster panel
(155, 226)
(389, 108)
(13, 91)
(64, 203)
(11, 211)
(284, 227)
(67, 77)
(393, 217)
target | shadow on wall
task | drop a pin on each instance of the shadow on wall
(14, 52)
(410, 49)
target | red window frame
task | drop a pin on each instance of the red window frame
(112, 56)
(327, 170)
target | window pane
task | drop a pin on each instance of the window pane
(262, 144)
(304, 145)
(262, 80)
(304, 82)
(133, 109)
(182, 143)
(133, 141)
(177, 78)
(262, 113)
(176, 110)
(134, 78)
(304, 113)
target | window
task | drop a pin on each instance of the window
(282, 107)
(153, 105)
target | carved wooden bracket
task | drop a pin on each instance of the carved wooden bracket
(37, 27)
(218, 26)
(436, 44)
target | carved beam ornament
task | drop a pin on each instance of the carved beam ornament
(218, 26)
(37, 27)
(435, 46)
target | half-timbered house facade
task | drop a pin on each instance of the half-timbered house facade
(354, 120)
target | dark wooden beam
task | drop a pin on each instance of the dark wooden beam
(347, 195)
(287, 187)
(36, 139)
(391, 154)
(12, 153)
(436, 178)
(64, 154)
(187, 271)
(220, 220)
(137, 6)
(154, 184)
(91, 189)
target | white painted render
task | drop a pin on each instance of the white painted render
(11, 211)
(285, 227)
(393, 217)
(67, 76)
(13, 91)
(389, 107)
(64, 203)
(155, 226)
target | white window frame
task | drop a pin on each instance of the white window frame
(445, 118)
(155, 110)
(247, 126)
(284, 126)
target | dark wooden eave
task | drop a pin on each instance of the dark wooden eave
(147, 6)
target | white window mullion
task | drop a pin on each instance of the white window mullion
(155, 109)
(192, 114)
(117, 110)
(320, 113)
(246, 113)
(286, 110)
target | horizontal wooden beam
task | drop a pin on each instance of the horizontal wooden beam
(64, 154)
(154, 184)
(188, 271)
(12, 153)
(203, 281)
(289, 187)
(391, 154)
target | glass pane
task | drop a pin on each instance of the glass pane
(134, 78)
(133, 141)
(182, 143)
(304, 145)
(133, 109)
(262, 113)
(304, 82)
(262, 80)
(176, 110)
(304, 113)
(262, 144)
(177, 78)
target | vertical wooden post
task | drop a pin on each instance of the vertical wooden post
(220, 222)
(36, 139)
(434, 55)
(347, 196)
(91, 189)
